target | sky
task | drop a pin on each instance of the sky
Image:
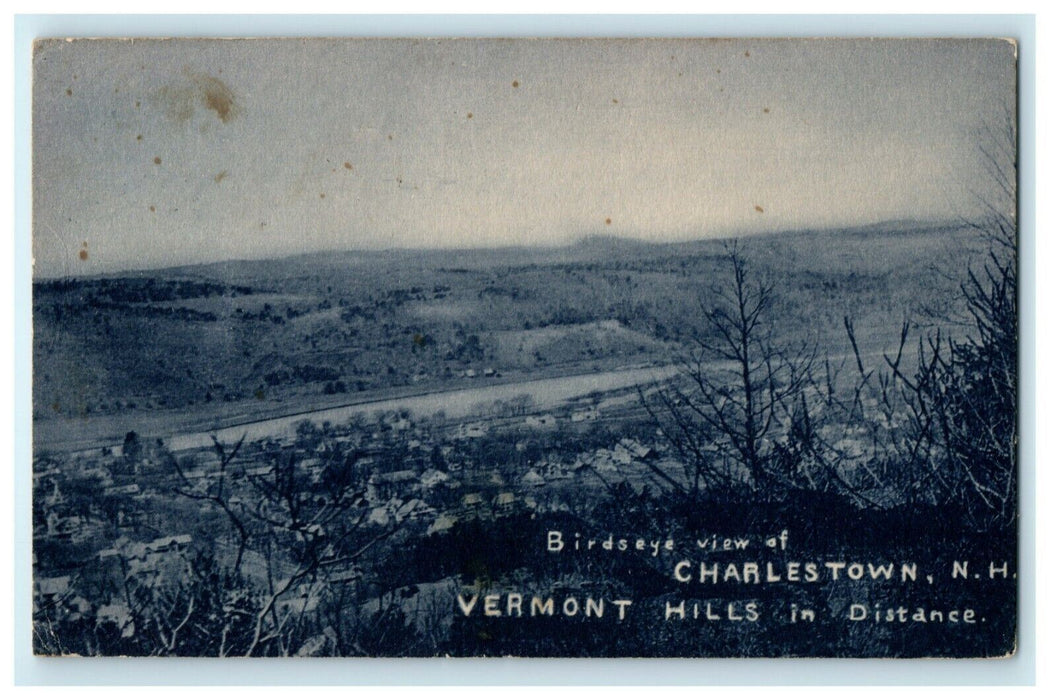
(153, 153)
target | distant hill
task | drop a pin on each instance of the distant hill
(299, 328)
(595, 246)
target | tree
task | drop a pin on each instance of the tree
(969, 386)
(959, 441)
(738, 385)
(299, 529)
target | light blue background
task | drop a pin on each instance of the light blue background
(1019, 670)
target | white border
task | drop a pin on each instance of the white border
(29, 670)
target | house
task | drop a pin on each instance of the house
(544, 420)
(148, 566)
(432, 478)
(555, 471)
(129, 518)
(55, 497)
(314, 467)
(346, 576)
(382, 487)
(117, 614)
(532, 479)
(415, 509)
(169, 543)
(637, 449)
(302, 600)
(620, 455)
(471, 431)
(386, 513)
(605, 461)
(504, 504)
(126, 490)
(45, 477)
(52, 590)
(98, 472)
(379, 516)
(582, 469)
(583, 414)
(471, 504)
(442, 524)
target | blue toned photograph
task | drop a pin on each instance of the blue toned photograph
(525, 347)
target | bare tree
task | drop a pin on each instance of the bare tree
(218, 490)
(957, 409)
(293, 528)
(739, 387)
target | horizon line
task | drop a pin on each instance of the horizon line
(904, 223)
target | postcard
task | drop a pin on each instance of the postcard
(526, 347)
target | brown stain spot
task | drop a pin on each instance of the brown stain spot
(217, 97)
(83, 255)
(758, 208)
(469, 115)
(139, 137)
(157, 160)
(348, 165)
(390, 137)
(718, 70)
(55, 407)
(220, 176)
(182, 98)
(608, 221)
(322, 195)
(515, 84)
(69, 92)
(746, 54)
(137, 104)
(152, 209)
(616, 101)
(766, 110)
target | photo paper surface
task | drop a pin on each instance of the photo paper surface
(527, 347)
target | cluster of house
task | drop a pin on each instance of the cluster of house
(436, 486)
(145, 563)
(406, 495)
(62, 515)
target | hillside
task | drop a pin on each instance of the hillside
(313, 329)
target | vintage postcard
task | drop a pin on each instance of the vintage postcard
(539, 348)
